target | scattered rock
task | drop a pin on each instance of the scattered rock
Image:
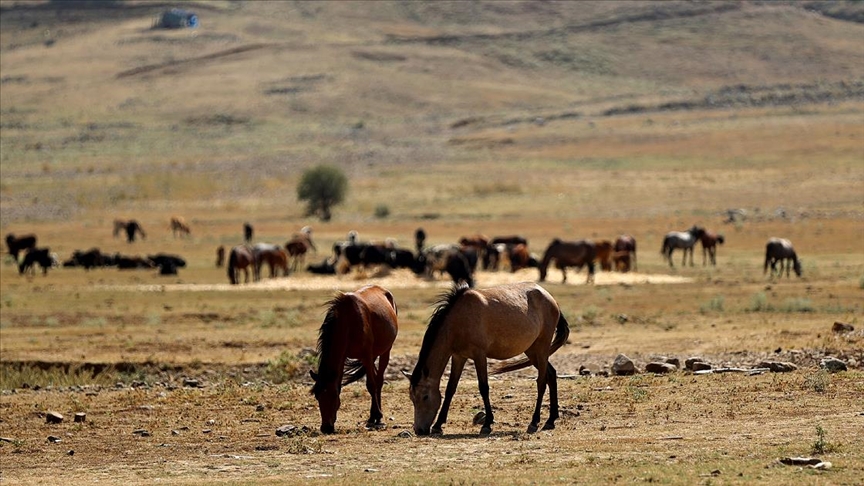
(623, 366)
(660, 368)
(191, 382)
(260, 407)
(53, 417)
(777, 366)
(70, 453)
(603, 373)
(80, 417)
(688, 363)
(583, 371)
(832, 364)
(700, 366)
(674, 362)
(841, 327)
(405, 434)
(824, 465)
(141, 432)
(479, 418)
(54, 439)
(291, 431)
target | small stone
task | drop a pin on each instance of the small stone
(777, 366)
(623, 366)
(842, 327)
(53, 417)
(583, 371)
(291, 431)
(700, 366)
(824, 465)
(260, 407)
(54, 439)
(660, 368)
(833, 364)
(688, 363)
(674, 362)
(80, 417)
(70, 453)
(479, 418)
(405, 434)
(191, 382)
(141, 432)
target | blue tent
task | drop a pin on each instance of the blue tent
(178, 18)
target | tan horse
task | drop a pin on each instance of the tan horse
(178, 225)
(499, 323)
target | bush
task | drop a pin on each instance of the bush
(382, 211)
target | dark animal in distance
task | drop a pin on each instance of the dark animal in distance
(499, 323)
(359, 328)
(92, 258)
(781, 250)
(132, 263)
(274, 256)
(19, 244)
(419, 240)
(220, 256)
(42, 256)
(133, 228)
(710, 240)
(626, 243)
(247, 233)
(167, 264)
(298, 246)
(569, 254)
(604, 254)
(685, 240)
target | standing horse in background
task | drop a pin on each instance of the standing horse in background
(569, 254)
(499, 323)
(119, 227)
(604, 254)
(133, 228)
(247, 233)
(359, 328)
(274, 256)
(709, 241)
(780, 250)
(178, 224)
(419, 240)
(684, 240)
(240, 258)
(626, 243)
(220, 256)
(298, 246)
(17, 244)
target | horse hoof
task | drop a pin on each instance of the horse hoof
(532, 428)
(485, 431)
(549, 426)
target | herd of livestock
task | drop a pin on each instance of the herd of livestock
(458, 260)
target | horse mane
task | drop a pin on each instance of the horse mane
(325, 340)
(436, 322)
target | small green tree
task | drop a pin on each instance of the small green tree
(322, 187)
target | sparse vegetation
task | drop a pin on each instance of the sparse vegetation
(322, 187)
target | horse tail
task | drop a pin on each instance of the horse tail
(232, 260)
(354, 370)
(562, 333)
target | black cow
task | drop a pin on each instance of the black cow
(323, 268)
(91, 258)
(42, 256)
(19, 244)
(398, 258)
(166, 260)
(126, 263)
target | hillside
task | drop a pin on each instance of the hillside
(274, 86)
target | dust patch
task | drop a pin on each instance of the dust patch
(400, 279)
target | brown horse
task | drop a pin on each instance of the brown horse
(178, 224)
(499, 323)
(569, 254)
(604, 254)
(220, 256)
(710, 240)
(359, 328)
(621, 260)
(298, 246)
(240, 258)
(274, 256)
(626, 243)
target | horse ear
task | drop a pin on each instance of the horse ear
(313, 375)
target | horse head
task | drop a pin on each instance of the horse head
(796, 265)
(327, 393)
(426, 397)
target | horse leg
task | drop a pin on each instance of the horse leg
(542, 370)
(552, 380)
(564, 273)
(590, 273)
(483, 385)
(704, 255)
(456, 367)
(374, 383)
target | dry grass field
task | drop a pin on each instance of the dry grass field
(545, 119)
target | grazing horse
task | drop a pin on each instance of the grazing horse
(626, 243)
(621, 260)
(685, 240)
(240, 258)
(298, 246)
(604, 254)
(359, 328)
(709, 241)
(780, 250)
(220, 256)
(178, 224)
(119, 227)
(19, 244)
(499, 323)
(274, 256)
(247, 233)
(42, 256)
(569, 254)
(133, 228)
